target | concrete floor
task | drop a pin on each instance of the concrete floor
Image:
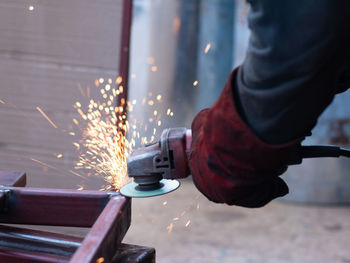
(206, 232)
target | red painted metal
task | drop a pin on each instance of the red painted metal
(109, 214)
(53, 207)
(26, 245)
(107, 233)
(125, 49)
(35, 241)
(19, 256)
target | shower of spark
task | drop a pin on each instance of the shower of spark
(105, 145)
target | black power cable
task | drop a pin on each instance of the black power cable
(318, 151)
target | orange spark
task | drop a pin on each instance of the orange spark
(81, 90)
(206, 50)
(59, 156)
(76, 145)
(39, 162)
(100, 260)
(119, 80)
(195, 83)
(46, 117)
(75, 173)
(75, 121)
(2, 102)
(154, 68)
(170, 228)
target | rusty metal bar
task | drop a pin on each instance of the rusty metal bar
(107, 233)
(53, 207)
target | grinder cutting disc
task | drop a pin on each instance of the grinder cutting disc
(134, 190)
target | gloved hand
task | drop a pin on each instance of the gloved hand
(229, 163)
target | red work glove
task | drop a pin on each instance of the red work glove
(229, 163)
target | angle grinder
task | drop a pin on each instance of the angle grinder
(156, 166)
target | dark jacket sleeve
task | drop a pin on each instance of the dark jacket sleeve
(296, 54)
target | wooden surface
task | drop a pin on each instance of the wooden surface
(44, 55)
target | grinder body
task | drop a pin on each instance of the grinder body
(166, 159)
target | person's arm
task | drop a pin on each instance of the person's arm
(243, 142)
(296, 53)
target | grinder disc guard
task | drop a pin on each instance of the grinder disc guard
(135, 190)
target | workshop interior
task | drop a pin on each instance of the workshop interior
(100, 109)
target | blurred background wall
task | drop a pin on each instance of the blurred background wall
(50, 53)
(195, 45)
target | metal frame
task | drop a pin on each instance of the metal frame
(125, 49)
(108, 214)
